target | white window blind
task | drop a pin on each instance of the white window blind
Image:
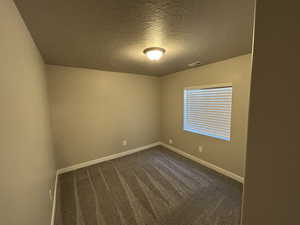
(207, 111)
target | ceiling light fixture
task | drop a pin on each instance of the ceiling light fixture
(154, 53)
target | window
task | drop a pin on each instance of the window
(207, 110)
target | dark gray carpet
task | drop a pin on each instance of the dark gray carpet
(153, 187)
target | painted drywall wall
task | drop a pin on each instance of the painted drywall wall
(272, 168)
(94, 111)
(27, 165)
(227, 155)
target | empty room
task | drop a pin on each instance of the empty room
(149, 112)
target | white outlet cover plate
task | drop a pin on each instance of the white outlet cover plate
(200, 149)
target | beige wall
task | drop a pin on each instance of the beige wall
(26, 160)
(272, 184)
(227, 155)
(93, 111)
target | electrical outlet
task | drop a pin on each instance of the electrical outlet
(200, 148)
(170, 141)
(50, 195)
(124, 142)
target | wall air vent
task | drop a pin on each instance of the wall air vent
(193, 64)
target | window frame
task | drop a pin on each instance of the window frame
(208, 86)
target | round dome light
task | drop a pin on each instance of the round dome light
(154, 53)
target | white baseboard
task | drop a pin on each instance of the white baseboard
(54, 199)
(106, 158)
(204, 163)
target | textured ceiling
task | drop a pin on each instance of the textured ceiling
(111, 34)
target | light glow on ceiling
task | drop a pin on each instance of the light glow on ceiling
(154, 53)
